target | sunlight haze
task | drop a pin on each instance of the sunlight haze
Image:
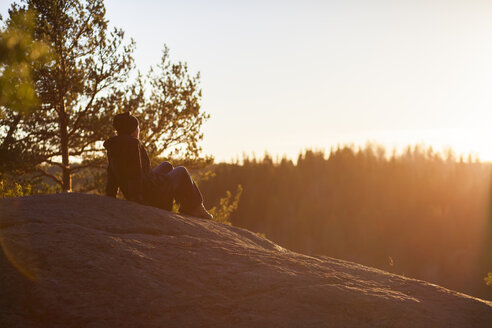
(283, 76)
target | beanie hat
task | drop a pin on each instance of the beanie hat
(125, 123)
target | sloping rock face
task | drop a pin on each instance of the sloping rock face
(75, 260)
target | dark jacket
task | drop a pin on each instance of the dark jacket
(129, 169)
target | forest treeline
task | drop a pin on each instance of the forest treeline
(419, 213)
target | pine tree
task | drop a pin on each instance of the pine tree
(84, 82)
(87, 65)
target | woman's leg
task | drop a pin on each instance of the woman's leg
(185, 190)
(163, 168)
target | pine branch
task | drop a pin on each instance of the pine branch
(60, 165)
(82, 29)
(49, 175)
(8, 138)
(84, 111)
(86, 165)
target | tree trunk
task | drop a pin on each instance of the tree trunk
(66, 178)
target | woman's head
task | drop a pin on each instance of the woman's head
(126, 124)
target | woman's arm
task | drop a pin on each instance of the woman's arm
(111, 185)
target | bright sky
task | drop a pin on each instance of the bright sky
(282, 76)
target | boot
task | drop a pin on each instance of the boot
(199, 212)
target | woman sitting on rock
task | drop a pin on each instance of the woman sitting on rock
(129, 169)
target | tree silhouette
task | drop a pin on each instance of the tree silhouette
(86, 65)
(82, 85)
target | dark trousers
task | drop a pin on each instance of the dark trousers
(185, 190)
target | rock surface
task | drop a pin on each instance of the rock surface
(75, 260)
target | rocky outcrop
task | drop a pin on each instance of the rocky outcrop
(76, 260)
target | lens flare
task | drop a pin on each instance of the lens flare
(18, 256)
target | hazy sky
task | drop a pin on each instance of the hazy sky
(283, 76)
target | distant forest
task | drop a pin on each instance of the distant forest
(419, 213)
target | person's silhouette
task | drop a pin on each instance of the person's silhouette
(129, 169)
